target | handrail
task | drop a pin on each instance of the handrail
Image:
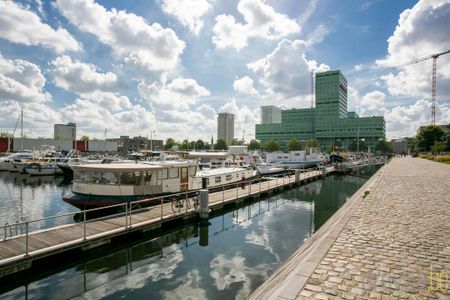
(184, 197)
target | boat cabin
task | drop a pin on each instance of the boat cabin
(133, 179)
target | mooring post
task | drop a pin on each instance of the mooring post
(324, 171)
(297, 175)
(203, 208)
(26, 239)
(84, 224)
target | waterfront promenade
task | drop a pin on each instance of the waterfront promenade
(391, 240)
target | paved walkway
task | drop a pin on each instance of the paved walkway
(382, 246)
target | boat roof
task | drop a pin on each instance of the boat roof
(134, 166)
(117, 167)
(207, 154)
(218, 171)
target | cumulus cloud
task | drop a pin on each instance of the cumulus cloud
(188, 13)
(19, 25)
(261, 21)
(244, 116)
(405, 120)
(421, 31)
(372, 104)
(244, 85)
(286, 70)
(180, 93)
(93, 116)
(130, 36)
(37, 117)
(21, 81)
(79, 77)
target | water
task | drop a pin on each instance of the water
(226, 258)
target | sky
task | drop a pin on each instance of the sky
(165, 68)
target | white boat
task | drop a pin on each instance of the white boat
(295, 159)
(42, 169)
(267, 169)
(7, 162)
(97, 185)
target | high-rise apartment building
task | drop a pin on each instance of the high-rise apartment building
(225, 127)
(270, 114)
(328, 122)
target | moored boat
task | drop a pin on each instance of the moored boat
(96, 185)
(42, 169)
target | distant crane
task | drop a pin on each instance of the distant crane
(433, 84)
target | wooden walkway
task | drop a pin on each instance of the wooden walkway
(17, 253)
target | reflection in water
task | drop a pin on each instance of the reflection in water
(24, 197)
(226, 257)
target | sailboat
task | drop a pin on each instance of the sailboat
(7, 162)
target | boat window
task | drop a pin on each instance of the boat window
(147, 177)
(173, 173)
(109, 178)
(229, 177)
(96, 177)
(218, 179)
(137, 178)
(162, 174)
(192, 171)
(82, 176)
(127, 178)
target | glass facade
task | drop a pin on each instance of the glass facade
(328, 122)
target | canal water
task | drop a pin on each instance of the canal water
(225, 258)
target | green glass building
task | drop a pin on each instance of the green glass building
(329, 122)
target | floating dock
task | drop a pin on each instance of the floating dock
(21, 245)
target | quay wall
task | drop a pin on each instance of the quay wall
(391, 240)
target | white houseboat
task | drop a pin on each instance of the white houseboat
(295, 159)
(108, 184)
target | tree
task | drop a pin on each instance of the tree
(330, 148)
(84, 138)
(5, 135)
(272, 146)
(448, 142)
(294, 145)
(428, 136)
(170, 142)
(313, 143)
(199, 145)
(384, 146)
(362, 147)
(236, 142)
(438, 147)
(220, 145)
(254, 145)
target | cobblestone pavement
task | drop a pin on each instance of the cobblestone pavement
(397, 234)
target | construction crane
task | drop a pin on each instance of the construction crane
(433, 80)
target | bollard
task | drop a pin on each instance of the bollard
(324, 171)
(203, 208)
(297, 175)
(204, 233)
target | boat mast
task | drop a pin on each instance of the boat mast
(21, 130)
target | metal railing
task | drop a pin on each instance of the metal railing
(125, 216)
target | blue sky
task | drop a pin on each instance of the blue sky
(170, 66)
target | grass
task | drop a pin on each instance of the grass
(439, 158)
